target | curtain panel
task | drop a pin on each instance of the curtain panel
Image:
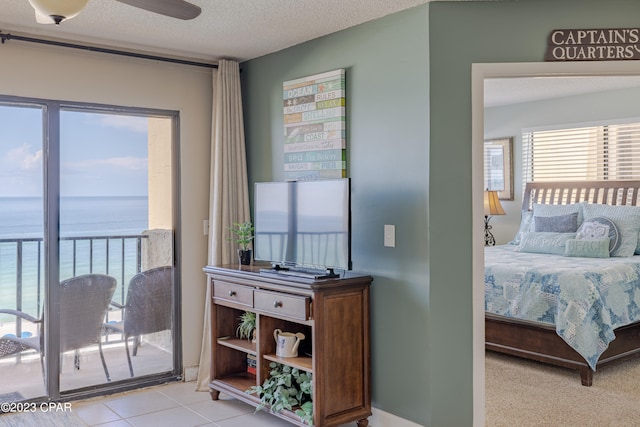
(229, 192)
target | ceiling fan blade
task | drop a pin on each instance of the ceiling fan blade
(173, 8)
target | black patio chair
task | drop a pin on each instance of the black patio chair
(84, 301)
(148, 308)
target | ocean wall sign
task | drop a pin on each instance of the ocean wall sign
(315, 141)
(614, 44)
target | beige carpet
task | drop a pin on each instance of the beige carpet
(526, 393)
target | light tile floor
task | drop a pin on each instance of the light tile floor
(171, 405)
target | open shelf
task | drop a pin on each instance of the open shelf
(238, 344)
(304, 363)
(242, 381)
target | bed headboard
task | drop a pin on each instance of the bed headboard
(564, 193)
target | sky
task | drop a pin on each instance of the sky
(100, 154)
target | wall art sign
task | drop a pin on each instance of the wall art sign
(498, 166)
(315, 142)
(614, 44)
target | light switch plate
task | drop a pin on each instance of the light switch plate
(390, 236)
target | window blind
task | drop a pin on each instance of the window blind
(602, 152)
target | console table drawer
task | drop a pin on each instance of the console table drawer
(234, 293)
(293, 306)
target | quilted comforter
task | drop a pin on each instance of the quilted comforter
(585, 298)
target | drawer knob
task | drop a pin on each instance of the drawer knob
(232, 293)
(277, 304)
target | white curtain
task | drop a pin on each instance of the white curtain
(229, 193)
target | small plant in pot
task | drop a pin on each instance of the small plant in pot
(247, 326)
(243, 236)
(286, 388)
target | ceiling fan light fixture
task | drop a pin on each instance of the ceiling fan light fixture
(58, 10)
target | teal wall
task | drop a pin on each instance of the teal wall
(409, 156)
(460, 34)
(386, 64)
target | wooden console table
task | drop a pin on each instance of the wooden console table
(332, 313)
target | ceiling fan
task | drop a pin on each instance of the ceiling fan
(56, 11)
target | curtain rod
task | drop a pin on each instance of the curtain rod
(5, 37)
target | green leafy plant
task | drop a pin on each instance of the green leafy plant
(247, 325)
(243, 234)
(286, 388)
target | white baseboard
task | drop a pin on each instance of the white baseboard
(190, 373)
(381, 418)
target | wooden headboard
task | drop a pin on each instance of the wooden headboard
(564, 193)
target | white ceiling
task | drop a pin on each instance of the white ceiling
(507, 91)
(234, 29)
(246, 29)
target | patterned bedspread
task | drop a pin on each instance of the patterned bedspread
(585, 298)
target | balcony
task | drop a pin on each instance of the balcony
(22, 288)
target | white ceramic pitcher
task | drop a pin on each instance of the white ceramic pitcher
(287, 343)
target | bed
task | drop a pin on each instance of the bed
(575, 312)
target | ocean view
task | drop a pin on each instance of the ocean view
(21, 219)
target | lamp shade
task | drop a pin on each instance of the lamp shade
(492, 204)
(58, 10)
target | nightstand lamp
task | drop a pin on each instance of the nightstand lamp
(492, 207)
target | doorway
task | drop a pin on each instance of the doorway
(480, 73)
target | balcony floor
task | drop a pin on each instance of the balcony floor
(25, 376)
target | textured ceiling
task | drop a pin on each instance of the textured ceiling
(235, 29)
(246, 29)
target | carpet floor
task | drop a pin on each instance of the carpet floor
(526, 393)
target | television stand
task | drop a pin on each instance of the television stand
(333, 315)
(306, 273)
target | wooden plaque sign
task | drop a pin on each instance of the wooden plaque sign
(616, 44)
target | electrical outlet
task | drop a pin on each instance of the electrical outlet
(390, 236)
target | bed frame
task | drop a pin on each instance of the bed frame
(540, 342)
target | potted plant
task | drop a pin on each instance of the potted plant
(286, 388)
(243, 237)
(247, 326)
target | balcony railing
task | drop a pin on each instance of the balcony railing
(22, 268)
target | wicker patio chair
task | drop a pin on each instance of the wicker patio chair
(148, 308)
(84, 301)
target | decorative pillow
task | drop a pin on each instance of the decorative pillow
(592, 248)
(600, 228)
(544, 243)
(558, 224)
(626, 218)
(540, 209)
(525, 225)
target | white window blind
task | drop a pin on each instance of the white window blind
(602, 152)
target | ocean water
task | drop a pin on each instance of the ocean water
(21, 218)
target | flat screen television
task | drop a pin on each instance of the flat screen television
(303, 226)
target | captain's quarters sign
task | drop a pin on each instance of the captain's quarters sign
(615, 44)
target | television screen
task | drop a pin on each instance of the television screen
(303, 224)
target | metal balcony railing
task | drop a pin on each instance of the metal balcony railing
(22, 267)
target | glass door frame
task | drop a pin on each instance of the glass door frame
(51, 198)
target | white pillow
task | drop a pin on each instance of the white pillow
(525, 225)
(626, 218)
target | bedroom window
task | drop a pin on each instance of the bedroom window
(600, 152)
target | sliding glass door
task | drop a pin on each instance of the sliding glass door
(105, 291)
(21, 250)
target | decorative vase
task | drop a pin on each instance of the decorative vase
(244, 256)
